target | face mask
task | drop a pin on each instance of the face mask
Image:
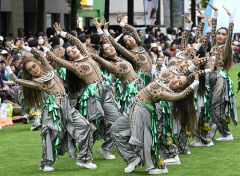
(40, 41)
(11, 45)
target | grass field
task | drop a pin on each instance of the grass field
(20, 154)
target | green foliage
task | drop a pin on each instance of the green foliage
(20, 154)
(203, 3)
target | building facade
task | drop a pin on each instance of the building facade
(16, 14)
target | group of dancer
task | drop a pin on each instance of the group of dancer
(148, 120)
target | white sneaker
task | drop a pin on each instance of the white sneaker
(156, 171)
(188, 152)
(131, 167)
(106, 154)
(195, 140)
(172, 161)
(47, 169)
(0, 127)
(88, 165)
(227, 138)
(35, 127)
(201, 144)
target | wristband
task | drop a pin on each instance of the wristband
(194, 84)
(198, 46)
(106, 32)
(215, 14)
(191, 68)
(188, 26)
(63, 34)
(209, 29)
(100, 31)
(122, 24)
(208, 70)
(203, 20)
(45, 49)
(231, 19)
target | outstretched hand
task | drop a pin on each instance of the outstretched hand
(201, 15)
(212, 63)
(187, 20)
(8, 60)
(227, 10)
(196, 75)
(57, 28)
(96, 23)
(212, 6)
(196, 59)
(209, 20)
(119, 17)
(106, 24)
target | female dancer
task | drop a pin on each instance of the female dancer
(61, 123)
(140, 131)
(223, 104)
(132, 49)
(97, 99)
(121, 68)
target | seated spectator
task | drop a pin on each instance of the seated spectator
(173, 49)
(5, 92)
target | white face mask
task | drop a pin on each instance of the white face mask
(40, 41)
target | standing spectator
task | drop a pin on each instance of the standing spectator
(158, 68)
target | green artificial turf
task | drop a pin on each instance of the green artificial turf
(20, 154)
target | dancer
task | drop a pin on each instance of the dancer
(139, 131)
(97, 100)
(131, 48)
(121, 68)
(62, 124)
(223, 103)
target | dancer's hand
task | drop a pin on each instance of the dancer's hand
(200, 39)
(7, 60)
(196, 76)
(96, 23)
(212, 6)
(196, 59)
(187, 20)
(57, 28)
(212, 63)
(227, 10)
(119, 17)
(201, 14)
(209, 20)
(106, 24)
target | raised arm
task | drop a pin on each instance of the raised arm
(106, 64)
(214, 23)
(122, 50)
(38, 54)
(73, 40)
(128, 27)
(186, 33)
(166, 96)
(23, 82)
(200, 28)
(64, 63)
(103, 36)
(228, 44)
